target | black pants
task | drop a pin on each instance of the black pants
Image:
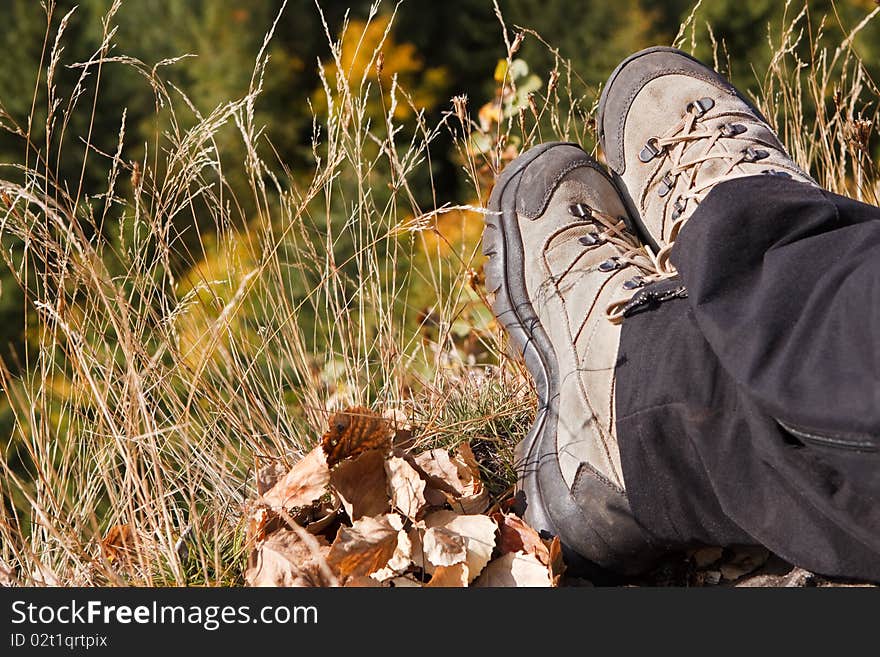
(749, 412)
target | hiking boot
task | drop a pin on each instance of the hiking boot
(559, 260)
(671, 129)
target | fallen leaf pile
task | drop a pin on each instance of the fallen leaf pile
(359, 510)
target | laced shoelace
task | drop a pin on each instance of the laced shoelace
(681, 138)
(613, 230)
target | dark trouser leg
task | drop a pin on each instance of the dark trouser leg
(750, 412)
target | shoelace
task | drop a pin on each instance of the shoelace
(630, 252)
(678, 140)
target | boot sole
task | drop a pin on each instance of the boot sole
(505, 276)
(545, 499)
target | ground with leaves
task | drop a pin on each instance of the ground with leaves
(364, 509)
(361, 509)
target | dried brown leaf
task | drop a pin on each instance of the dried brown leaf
(354, 431)
(407, 487)
(440, 471)
(456, 477)
(478, 532)
(466, 456)
(435, 497)
(284, 559)
(399, 561)
(557, 563)
(322, 516)
(118, 542)
(362, 485)
(443, 547)
(515, 569)
(474, 497)
(258, 520)
(454, 576)
(516, 536)
(470, 502)
(367, 546)
(306, 482)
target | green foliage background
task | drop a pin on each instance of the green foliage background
(447, 48)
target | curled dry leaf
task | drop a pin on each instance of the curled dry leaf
(399, 561)
(454, 576)
(466, 456)
(362, 485)
(472, 502)
(407, 487)
(118, 542)
(367, 546)
(515, 569)
(557, 564)
(453, 479)
(477, 531)
(474, 497)
(516, 536)
(439, 471)
(354, 431)
(322, 516)
(306, 482)
(284, 559)
(258, 521)
(443, 547)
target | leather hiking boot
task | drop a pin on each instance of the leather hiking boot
(671, 129)
(560, 259)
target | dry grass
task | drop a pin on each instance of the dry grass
(157, 376)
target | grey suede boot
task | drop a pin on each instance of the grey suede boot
(561, 267)
(671, 129)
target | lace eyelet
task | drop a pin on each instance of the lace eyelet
(731, 130)
(776, 173)
(634, 283)
(591, 240)
(666, 185)
(651, 149)
(699, 107)
(580, 210)
(609, 265)
(678, 207)
(753, 154)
